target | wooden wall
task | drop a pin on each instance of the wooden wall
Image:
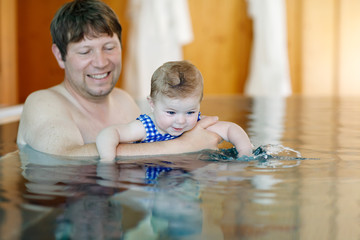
(222, 44)
(348, 58)
(37, 66)
(323, 42)
(329, 47)
(8, 56)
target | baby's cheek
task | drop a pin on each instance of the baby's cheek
(192, 124)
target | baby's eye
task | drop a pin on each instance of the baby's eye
(170, 112)
(191, 112)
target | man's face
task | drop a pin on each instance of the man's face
(93, 66)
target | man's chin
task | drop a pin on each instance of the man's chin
(101, 93)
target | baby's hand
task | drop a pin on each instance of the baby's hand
(245, 151)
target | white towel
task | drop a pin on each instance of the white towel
(158, 30)
(269, 67)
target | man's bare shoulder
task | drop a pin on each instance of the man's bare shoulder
(121, 94)
(45, 119)
(125, 103)
(39, 107)
(43, 96)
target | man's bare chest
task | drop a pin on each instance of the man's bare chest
(90, 126)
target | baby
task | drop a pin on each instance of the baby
(176, 93)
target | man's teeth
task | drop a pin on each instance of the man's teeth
(98, 76)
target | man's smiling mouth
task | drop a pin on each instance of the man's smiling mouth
(99, 76)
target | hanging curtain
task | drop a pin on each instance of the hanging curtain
(158, 30)
(269, 67)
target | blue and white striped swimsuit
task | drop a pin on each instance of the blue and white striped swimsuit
(152, 134)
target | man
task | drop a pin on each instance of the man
(65, 119)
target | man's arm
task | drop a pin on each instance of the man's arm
(47, 126)
(192, 141)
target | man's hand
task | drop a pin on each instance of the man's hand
(199, 138)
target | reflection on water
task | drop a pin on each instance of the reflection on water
(302, 183)
(267, 120)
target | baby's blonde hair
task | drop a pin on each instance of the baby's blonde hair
(177, 79)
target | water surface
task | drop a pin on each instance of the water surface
(305, 186)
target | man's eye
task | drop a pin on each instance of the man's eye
(84, 52)
(109, 47)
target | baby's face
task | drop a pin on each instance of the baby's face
(175, 115)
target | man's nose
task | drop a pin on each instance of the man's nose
(100, 59)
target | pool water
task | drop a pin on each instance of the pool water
(304, 182)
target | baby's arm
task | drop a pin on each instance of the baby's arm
(110, 137)
(233, 133)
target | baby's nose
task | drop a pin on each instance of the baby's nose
(180, 118)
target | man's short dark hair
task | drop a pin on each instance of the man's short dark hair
(80, 18)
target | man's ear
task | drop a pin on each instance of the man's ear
(151, 103)
(57, 55)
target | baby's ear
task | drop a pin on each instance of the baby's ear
(151, 102)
